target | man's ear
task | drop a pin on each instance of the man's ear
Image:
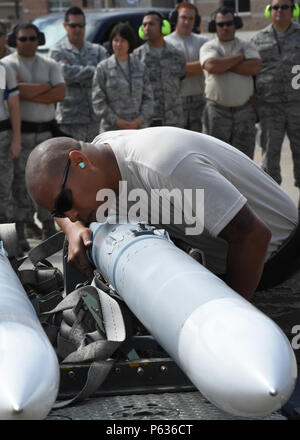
(78, 157)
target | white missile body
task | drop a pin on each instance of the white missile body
(236, 356)
(29, 370)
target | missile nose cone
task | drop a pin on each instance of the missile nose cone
(234, 369)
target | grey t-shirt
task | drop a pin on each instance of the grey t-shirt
(171, 158)
(37, 69)
(190, 47)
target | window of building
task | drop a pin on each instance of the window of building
(238, 6)
(59, 5)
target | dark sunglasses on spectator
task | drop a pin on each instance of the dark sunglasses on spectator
(225, 23)
(64, 200)
(23, 39)
(283, 7)
(74, 25)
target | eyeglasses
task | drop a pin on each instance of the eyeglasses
(283, 7)
(23, 39)
(225, 23)
(74, 25)
(64, 200)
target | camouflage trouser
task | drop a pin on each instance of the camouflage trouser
(6, 179)
(81, 132)
(234, 125)
(276, 120)
(192, 111)
(24, 206)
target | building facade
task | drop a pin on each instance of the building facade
(251, 11)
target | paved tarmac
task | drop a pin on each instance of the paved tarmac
(192, 405)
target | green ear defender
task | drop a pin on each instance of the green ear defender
(165, 29)
(296, 11)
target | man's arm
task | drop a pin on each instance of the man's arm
(193, 68)
(248, 239)
(55, 94)
(222, 64)
(15, 120)
(28, 91)
(79, 238)
(247, 67)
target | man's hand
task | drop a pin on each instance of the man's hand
(15, 149)
(248, 239)
(79, 238)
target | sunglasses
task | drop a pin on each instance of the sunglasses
(75, 25)
(32, 39)
(283, 7)
(225, 23)
(64, 200)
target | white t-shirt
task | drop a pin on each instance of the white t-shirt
(190, 47)
(173, 158)
(12, 89)
(228, 89)
(37, 69)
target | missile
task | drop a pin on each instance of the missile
(29, 370)
(236, 356)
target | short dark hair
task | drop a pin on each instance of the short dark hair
(73, 10)
(3, 27)
(224, 10)
(158, 14)
(21, 26)
(125, 30)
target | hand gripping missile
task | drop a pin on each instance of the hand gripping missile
(29, 370)
(236, 356)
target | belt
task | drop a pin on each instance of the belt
(192, 98)
(232, 109)
(36, 127)
(5, 125)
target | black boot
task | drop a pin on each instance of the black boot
(23, 243)
(48, 229)
(32, 230)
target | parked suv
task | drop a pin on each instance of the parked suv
(99, 23)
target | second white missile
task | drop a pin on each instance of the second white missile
(235, 355)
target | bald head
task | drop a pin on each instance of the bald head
(47, 161)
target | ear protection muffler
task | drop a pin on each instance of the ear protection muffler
(238, 22)
(295, 14)
(173, 17)
(12, 36)
(165, 28)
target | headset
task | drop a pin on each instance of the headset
(295, 8)
(238, 22)
(12, 36)
(173, 16)
(165, 25)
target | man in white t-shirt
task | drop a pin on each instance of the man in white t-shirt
(42, 85)
(229, 65)
(246, 215)
(189, 43)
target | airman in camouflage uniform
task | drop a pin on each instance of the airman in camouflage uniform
(117, 97)
(166, 67)
(278, 90)
(75, 115)
(10, 141)
(229, 64)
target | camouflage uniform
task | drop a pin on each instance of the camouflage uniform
(122, 95)
(6, 162)
(166, 69)
(75, 115)
(278, 101)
